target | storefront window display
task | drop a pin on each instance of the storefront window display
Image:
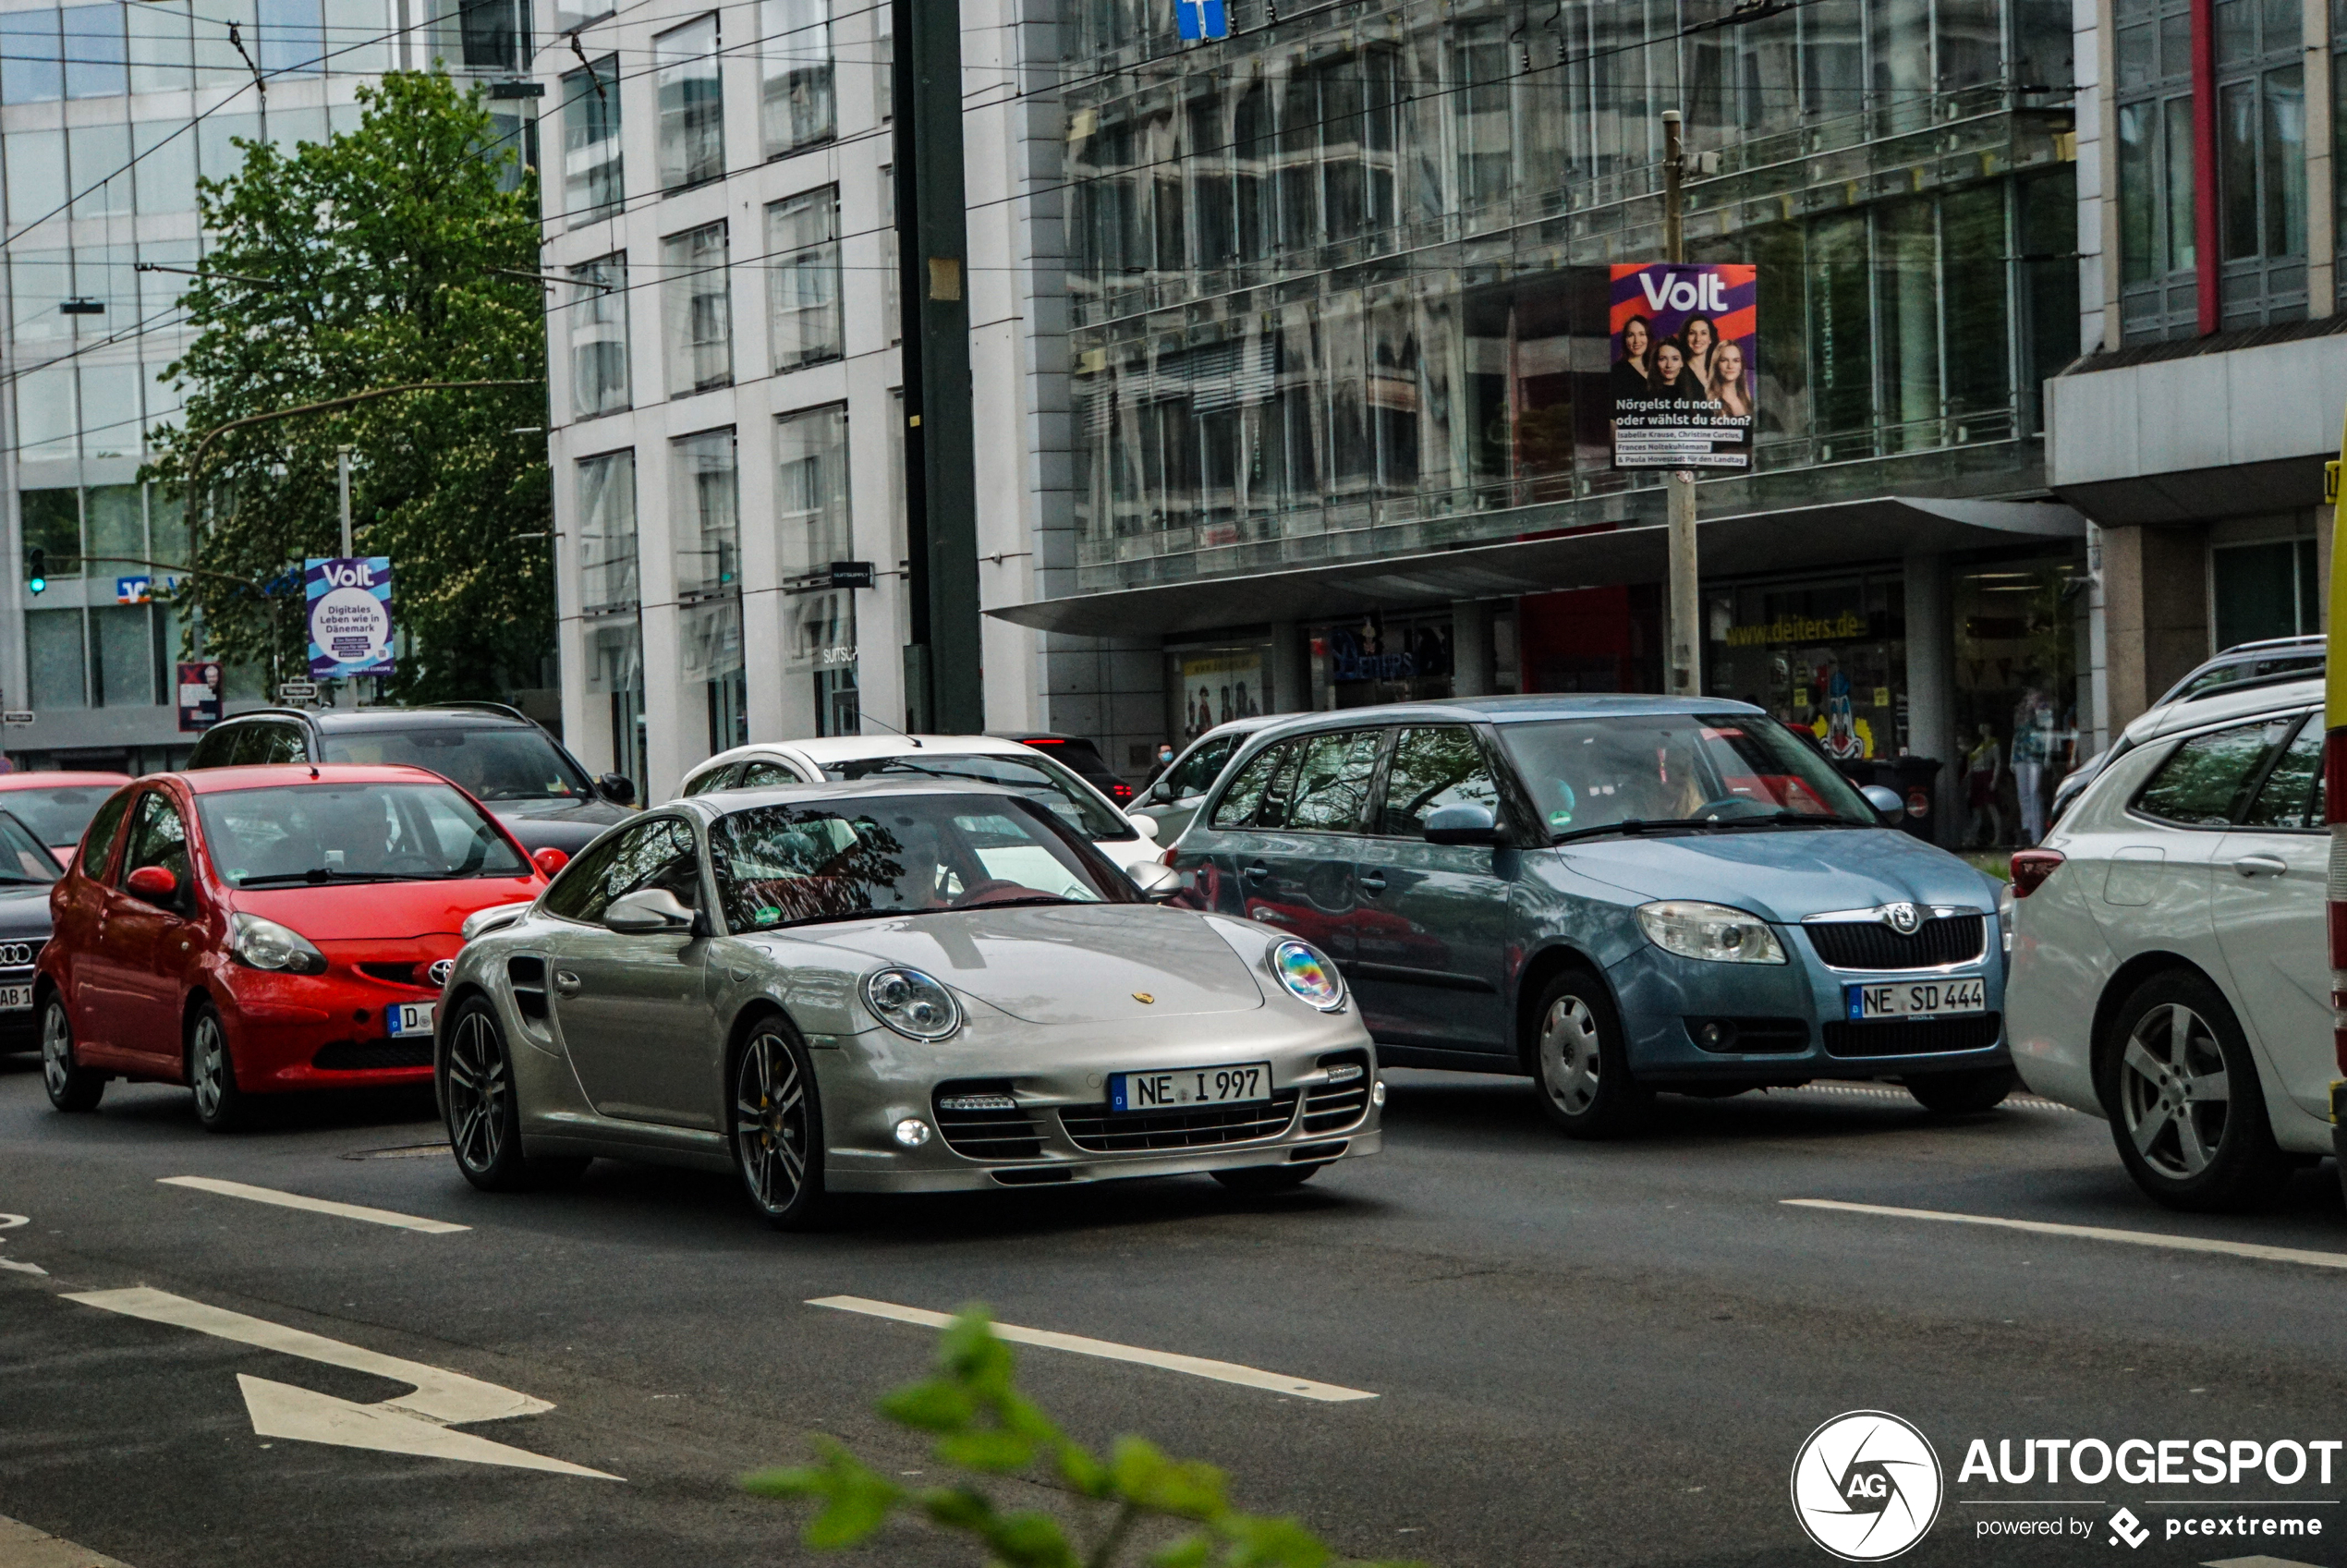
(2018, 625)
(1213, 685)
(1382, 659)
(1828, 656)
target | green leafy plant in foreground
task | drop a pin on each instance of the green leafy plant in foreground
(1133, 1500)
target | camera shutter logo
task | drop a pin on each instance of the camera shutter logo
(1867, 1486)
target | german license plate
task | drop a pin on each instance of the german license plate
(16, 999)
(410, 1018)
(1918, 999)
(1186, 1087)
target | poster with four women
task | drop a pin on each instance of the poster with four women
(1683, 365)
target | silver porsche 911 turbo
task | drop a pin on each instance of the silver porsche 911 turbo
(908, 988)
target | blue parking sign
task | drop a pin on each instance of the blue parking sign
(1202, 18)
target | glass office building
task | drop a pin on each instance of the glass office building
(1323, 362)
(109, 114)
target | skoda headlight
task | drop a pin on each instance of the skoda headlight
(264, 944)
(912, 1003)
(1710, 932)
(1308, 976)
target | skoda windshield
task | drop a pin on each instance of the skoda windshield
(1638, 772)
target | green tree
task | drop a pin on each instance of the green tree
(371, 261)
(1177, 1511)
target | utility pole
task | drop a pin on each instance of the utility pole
(342, 485)
(1683, 676)
(943, 690)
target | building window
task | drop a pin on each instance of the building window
(57, 658)
(292, 36)
(599, 335)
(795, 106)
(811, 490)
(616, 676)
(2155, 156)
(52, 526)
(607, 579)
(2261, 162)
(692, 108)
(125, 663)
(699, 318)
(32, 57)
(706, 514)
(2265, 590)
(592, 182)
(98, 62)
(802, 279)
(117, 523)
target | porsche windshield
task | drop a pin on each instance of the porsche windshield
(314, 834)
(1644, 770)
(900, 855)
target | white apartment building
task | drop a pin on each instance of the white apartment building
(726, 413)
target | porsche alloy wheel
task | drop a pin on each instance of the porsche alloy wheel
(480, 1098)
(70, 1088)
(778, 1129)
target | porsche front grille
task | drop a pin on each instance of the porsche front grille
(1097, 1130)
(1329, 1108)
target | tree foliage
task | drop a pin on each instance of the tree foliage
(369, 261)
(1177, 1510)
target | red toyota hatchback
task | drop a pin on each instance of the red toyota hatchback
(254, 930)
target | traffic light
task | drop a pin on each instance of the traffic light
(36, 569)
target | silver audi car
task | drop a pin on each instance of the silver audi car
(905, 988)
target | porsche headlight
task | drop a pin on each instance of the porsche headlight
(1308, 976)
(264, 944)
(1710, 932)
(912, 1003)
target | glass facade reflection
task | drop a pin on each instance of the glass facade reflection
(1320, 269)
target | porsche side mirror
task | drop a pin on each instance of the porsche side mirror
(1145, 826)
(1463, 824)
(154, 883)
(1887, 801)
(648, 911)
(1157, 881)
(551, 860)
(618, 788)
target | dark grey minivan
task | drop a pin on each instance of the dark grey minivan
(1612, 894)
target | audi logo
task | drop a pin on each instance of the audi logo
(18, 954)
(438, 974)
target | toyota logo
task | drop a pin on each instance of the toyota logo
(1905, 918)
(18, 954)
(438, 974)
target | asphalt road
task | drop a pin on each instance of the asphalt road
(1581, 1355)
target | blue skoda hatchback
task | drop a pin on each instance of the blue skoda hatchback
(1612, 896)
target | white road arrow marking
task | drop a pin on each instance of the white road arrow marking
(9, 1222)
(440, 1399)
(280, 1410)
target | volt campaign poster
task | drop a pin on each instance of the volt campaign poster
(349, 616)
(1683, 367)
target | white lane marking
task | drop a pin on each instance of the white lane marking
(1197, 1366)
(412, 1422)
(2092, 1232)
(9, 1222)
(21, 1545)
(280, 1410)
(315, 1205)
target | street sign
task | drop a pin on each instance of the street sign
(16, 717)
(853, 573)
(297, 691)
(133, 591)
(1199, 19)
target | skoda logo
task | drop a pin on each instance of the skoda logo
(1866, 1486)
(1905, 918)
(438, 974)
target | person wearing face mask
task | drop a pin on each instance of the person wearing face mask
(1164, 760)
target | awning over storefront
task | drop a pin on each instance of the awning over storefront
(1840, 534)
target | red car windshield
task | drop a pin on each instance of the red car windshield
(310, 834)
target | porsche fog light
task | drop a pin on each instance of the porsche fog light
(1376, 1092)
(912, 1132)
(912, 1003)
(1712, 932)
